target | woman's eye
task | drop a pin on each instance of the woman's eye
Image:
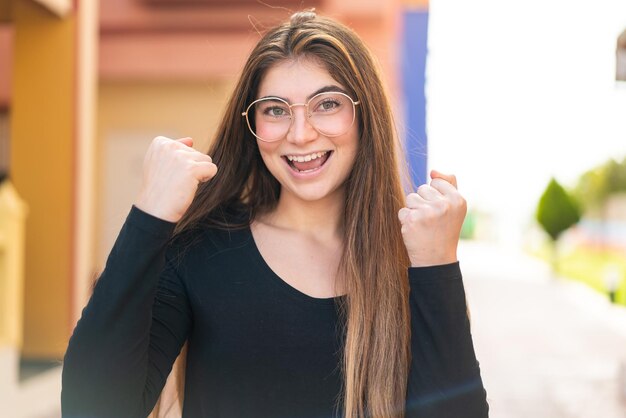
(275, 111)
(328, 105)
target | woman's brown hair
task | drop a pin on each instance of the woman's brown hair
(375, 311)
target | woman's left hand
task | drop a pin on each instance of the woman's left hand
(432, 220)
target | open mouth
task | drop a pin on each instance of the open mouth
(307, 163)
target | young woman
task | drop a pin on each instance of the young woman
(302, 280)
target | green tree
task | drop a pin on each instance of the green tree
(596, 185)
(616, 176)
(591, 191)
(556, 212)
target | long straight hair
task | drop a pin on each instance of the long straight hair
(374, 265)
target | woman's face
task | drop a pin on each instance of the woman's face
(308, 164)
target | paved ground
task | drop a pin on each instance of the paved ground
(548, 348)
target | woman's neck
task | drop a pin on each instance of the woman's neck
(320, 218)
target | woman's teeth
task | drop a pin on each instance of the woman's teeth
(304, 158)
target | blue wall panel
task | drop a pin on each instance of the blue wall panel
(414, 50)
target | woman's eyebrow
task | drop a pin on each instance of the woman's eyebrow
(325, 89)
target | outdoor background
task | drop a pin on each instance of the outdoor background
(524, 101)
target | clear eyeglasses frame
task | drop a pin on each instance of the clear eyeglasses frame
(331, 114)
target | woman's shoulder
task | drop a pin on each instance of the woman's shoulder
(211, 237)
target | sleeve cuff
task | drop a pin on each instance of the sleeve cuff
(450, 271)
(149, 223)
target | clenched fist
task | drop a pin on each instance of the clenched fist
(172, 170)
(432, 220)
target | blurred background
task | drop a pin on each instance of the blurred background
(524, 101)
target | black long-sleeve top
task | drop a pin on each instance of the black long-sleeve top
(257, 347)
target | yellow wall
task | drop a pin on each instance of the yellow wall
(42, 138)
(130, 114)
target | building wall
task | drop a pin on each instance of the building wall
(130, 115)
(41, 166)
(6, 63)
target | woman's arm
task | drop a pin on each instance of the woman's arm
(138, 317)
(132, 329)
(444, 379)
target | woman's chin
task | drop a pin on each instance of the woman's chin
(312, 194)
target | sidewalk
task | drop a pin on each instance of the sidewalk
(548, 348)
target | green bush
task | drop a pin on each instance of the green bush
(557, 210)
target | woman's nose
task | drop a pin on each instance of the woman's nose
(300, 130)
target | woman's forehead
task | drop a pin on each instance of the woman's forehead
(297, 79)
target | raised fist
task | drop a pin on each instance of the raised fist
(172, 170)
(432, 220)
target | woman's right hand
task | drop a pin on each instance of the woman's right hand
(172, 171)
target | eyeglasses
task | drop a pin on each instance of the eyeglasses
(330, 113)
